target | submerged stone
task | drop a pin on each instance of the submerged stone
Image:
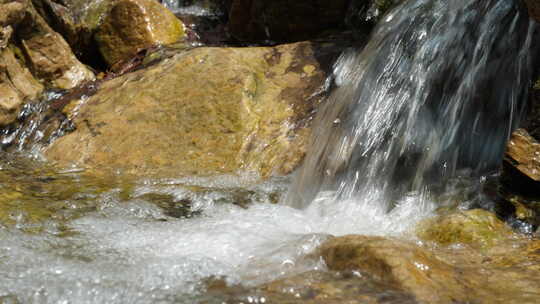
(204, 111)
(396, 262)
(313, 287)
(133, 25)
(507, 274)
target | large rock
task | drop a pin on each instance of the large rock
(281, 20)
(16, 85)
(313, 287)
(118, 28)
(509, 273)
(32, 57)
(205, 111)
(400, 263)
(12, 12)
(133, 25)
(46, 53)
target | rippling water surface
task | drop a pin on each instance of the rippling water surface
(158, 240)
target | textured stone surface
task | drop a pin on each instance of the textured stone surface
(12, 12)
(508, 273)
(16, 85)
(523, 153)
(132, 25)
(205, 111)
(477, 228)
(49, 56)
(407, 265)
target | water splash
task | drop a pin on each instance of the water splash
(432, 97)
(131, 251)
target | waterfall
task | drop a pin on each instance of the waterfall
(433, 97)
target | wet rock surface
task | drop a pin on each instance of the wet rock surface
(32, 57)
(49, 56)
(477, 228)
(506, 274)
(315, 287)
(209, 111)
(520, 179)
(404, 264)
(253, 117)
(133, 25)
(17, 84)
(523, 153)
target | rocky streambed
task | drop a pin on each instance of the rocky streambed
(146, 160)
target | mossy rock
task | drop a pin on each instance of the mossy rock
(478, 228)
(202, 112)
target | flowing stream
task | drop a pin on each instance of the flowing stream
(433, 97)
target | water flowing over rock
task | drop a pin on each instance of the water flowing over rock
(208, 110)
(400, 263)
(435, 94)
(434, 276)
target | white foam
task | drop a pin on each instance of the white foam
(126, 253)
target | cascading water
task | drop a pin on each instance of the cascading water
(434, 95)
(437, 89)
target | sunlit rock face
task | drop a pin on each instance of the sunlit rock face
(17, 84)
(476, 228)
(32, 57)
(441, 275)
(132, 25)
(208, 110)
(50, 57)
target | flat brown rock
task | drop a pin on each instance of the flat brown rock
(205, 111)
